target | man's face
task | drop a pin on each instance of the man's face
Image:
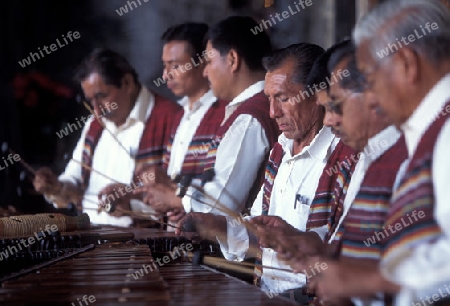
(184, 74)
(294, 115)
(331, 119)
(353, 129)
(101, 96)
(219, 73)
(381, 78)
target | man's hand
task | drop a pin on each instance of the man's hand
(175, 215)
(202, 226)
(46, 182)
(116, 194)
(350, 278)
(295, 249)
(271, 228)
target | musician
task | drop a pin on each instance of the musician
(234, 164)
(412, 86)
(138, 123)
(295, 166)
(367, 130)
(197, 123)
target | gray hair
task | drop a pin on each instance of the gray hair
(392, 20)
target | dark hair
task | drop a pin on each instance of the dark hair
(319, 71)
(191, 32)
(235, 33)
(304, 55)
(355, 81)
(110, 65)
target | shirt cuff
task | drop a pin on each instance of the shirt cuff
(238, 241)
(187, 200)
(138, 206)
(321, 231)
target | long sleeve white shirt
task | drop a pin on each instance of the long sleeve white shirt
(298, 174)
(239, 156)
(424, 270)
(111, 159)
(186, 129)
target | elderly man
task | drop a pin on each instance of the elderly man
(233, 168)
(410, 79)
(295, 166)
(131, 114)
(367, 130)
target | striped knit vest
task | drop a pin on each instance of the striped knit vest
(195, 158)
(413, 204)
(258, 107)
(370, 207)
(155, 136)
(327, 205)
(328, 192)
(275, 158)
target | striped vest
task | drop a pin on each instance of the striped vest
(327, 205)
(412, 204)
(195, 158)
(328, 191)
(368, 212)
(258, 107)
(152, 144)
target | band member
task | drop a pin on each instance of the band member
(184, 58)
(235, 157)
(138, 126)
(411, 82)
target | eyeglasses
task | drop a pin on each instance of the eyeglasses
(336, 105)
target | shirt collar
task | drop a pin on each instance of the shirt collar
(380, 143)
(206, 100)
(140, 111)
(319, 148)
(247, 93)
(427, 111)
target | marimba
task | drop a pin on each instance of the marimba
(105, 266)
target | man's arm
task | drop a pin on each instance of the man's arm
(240, 243)
(239, 157)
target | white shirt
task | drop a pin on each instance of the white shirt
(239, 156)
(111, 159)
(425, 269)
(297, 175)
(376, 147)
(186, 129)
